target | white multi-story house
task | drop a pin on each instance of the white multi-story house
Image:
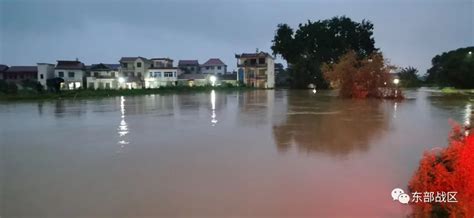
(73, 73)
(132, 71)
(214, 66)
(45, 71)
(161, 73)
(256, 69)
(103, 76)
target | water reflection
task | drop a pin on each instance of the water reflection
(123, 127)
(213, 107)
(331, 125)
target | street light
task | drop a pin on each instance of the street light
(396, 81)
(470, 52)
(121, 80)
(213, 80)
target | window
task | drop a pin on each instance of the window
(219, 67)
(157, 74)
(125, 65)
(61, 74)
(41, 76)
(113, 74)
(261, 60)
(168, 74)
(151, 74)
(212, 68)
(107, 85)
(253, 61)
(139, 74)
(96, 74)
(139, 64)
(70, 74)
(207, 68)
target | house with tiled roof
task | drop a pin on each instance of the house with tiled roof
(17, 74)
(161, 73)
(256, 69)
(214, 66)
(3, 68)
(132, 71)
(189, 66)
(103, 76)
(73, 73)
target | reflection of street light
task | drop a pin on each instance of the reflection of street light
(121, 80)
(213, 80)
(396, 81)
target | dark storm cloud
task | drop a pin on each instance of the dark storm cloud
(408, 32)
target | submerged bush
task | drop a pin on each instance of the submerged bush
(362, 77)
(451, 169)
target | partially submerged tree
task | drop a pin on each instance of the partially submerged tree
(315, 43)
(357, 77)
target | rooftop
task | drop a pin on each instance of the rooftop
(70, 65)
(214, 62)
(188, 62)
(253, 55)
(3, 67)
(129, 59)
(17, 69)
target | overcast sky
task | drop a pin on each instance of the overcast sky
(409, 33)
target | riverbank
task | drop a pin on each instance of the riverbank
(88, 93)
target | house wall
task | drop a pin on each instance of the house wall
(102, 83)
(45, 71)
(270, 73)
(214, 69)
(191, 69)
(155, 78)
(71, 82)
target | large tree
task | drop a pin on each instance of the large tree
(323, 41)
(454, 68)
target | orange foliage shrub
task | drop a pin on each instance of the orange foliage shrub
(452, 169)
(361, 77)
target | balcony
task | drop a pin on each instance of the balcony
(252, 65)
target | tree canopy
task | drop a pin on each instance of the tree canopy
(409, 77)
(454, 69)
(323, 41)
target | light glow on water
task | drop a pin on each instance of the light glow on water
(123, 127)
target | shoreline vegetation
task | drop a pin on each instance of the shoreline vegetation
(103, 93)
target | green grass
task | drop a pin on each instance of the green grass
(87, 93)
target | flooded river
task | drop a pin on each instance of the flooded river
(274, 153)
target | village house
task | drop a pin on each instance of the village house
(189, 66)
(73, 73)
(18, 74)
(132, 71)
(161, 73)
(256, 69)
(225, 79)
(103, 76)
(214, 66)
(3, 68)
(45, 72)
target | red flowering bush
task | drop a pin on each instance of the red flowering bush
(451, 169)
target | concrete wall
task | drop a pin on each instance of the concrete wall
(45, 71)
(155, 78)
(71, 82)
